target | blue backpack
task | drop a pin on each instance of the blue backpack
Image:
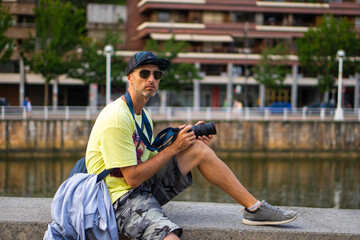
(80, 167)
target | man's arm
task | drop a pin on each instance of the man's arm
(136, 175)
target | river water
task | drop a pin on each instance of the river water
(285, 181)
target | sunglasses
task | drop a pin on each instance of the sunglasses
(158, 74)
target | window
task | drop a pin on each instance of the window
(213, 69)
(195, 17)
(163, 17)
(213, 17)
(243, 17)
(357, 21)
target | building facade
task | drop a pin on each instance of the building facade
(226, 38)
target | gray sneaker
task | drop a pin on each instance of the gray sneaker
(267, 214)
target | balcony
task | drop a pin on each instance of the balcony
(310, 1)
(224, 49)
(20, 31)
(281, 28)
(143, 2)
(20, 7)
(292, 4)
(170, 25)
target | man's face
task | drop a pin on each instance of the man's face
(144, 83)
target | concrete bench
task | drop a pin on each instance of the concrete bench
(27, 218)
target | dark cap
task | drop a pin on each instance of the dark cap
(144, 58)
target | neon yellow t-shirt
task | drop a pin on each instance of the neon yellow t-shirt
(115, 143)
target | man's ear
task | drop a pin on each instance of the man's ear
(129, 78)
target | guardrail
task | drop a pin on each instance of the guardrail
(183, 113)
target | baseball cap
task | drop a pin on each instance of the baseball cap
(144, 58)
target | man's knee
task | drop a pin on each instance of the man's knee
(193, 156)
(201, 150)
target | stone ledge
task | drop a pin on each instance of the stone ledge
(27, 218)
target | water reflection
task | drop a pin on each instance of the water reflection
(33, 177)
(303, 182)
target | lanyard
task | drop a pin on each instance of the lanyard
(144, 120)
(162, 140)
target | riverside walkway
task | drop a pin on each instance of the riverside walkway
(27, 218)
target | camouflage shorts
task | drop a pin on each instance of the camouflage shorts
(138, 212)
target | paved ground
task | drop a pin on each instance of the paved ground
(27, 218)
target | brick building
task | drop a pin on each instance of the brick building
(226, 37)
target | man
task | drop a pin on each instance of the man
(142, 180)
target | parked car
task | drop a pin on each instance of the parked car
(278, 107)
(315, 108)
(3, 102)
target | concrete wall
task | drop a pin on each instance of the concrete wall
(233, 136)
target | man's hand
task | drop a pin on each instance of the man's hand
(205, 139)
(184, 139)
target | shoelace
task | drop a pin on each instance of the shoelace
(276, 209)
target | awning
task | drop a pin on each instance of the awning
(192, 37)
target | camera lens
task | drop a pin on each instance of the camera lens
(204, 129)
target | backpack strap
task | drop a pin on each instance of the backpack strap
(103, 174)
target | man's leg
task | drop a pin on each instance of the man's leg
(138, 212)
(215, 171)
(139, 216)
(171, 236)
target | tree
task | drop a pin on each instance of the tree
(178, 73)
(271, 70)
(59, 28)
(91, 65)
(317, 50)
(6, 44)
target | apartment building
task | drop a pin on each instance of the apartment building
(22, 26)
(17, 80)
(226, 38)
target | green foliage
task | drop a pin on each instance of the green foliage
(178, 73)
(78, 3)
(6, 44)
(59, 28)
(317, 50)
(50, 52)
(271, 70)
(91, 66)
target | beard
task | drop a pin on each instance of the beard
(144, 92)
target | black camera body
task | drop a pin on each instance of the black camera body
(168, 135)
(204, 129)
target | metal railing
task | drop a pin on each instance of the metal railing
(183, 113)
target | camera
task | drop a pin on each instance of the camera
(204, 129)
(168, 135)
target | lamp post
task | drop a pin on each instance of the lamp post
(339, 114)
(109, 50)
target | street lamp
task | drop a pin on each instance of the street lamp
(109, 50)
(339, 114)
